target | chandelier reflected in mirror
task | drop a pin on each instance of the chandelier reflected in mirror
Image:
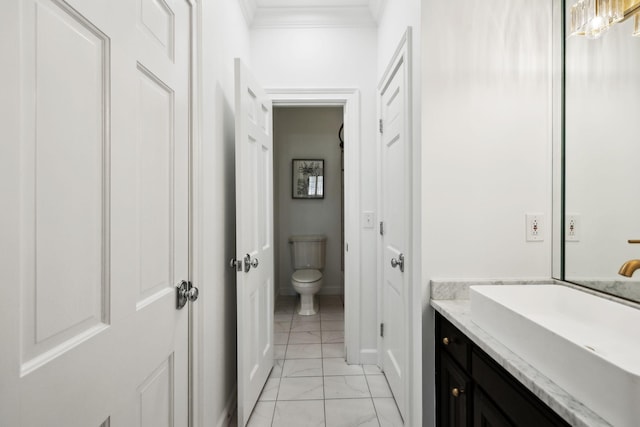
(593, 18)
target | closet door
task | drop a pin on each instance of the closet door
(96, 224)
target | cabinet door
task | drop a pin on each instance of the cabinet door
(454, 395)
(485, 412)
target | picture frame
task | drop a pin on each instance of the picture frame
(307, 179)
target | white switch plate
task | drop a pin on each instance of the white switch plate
(368, 219)
(535, 227)
(573, 228)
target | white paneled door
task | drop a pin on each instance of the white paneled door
(395, 229)
(99, 214)
(254, 239)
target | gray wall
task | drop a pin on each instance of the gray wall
(307, 133)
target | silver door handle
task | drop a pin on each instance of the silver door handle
(235, 264)
(185, 291)
(398, 262)
(249, 262)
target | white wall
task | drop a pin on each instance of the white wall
(396, 16)
(333, 58)
(308, 133)
(10, 219)
(486, 140)
(224, 36)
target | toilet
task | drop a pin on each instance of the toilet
(307, 259)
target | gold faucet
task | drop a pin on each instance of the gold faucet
(629, 267)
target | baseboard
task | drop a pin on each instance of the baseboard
(229, 410)
(369, 356)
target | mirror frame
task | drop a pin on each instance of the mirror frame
(558, 156)
(558, 113)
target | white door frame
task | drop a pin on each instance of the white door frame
(349, 99)
(414, 316)
(196, 330)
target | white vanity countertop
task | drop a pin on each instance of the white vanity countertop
(451, 299)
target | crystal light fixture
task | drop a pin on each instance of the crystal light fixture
(578, 18)
(592, 18)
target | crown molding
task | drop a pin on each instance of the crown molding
(248, 8)
(310, 17)
(377, 7)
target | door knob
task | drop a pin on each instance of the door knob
(247, 263)
(398, 262)
(235, 264)
(192, 294)
(456, 392)
(185, 291)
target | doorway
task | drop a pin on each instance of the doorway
(311, 382)
(308, 137)
(348, 100)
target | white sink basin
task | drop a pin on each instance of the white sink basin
(587, 345)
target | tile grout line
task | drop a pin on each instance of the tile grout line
(322, 360)
(375, 410)
(275, 404)
(324, 394)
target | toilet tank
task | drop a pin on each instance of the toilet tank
(308, 251)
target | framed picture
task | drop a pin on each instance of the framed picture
(307, 179)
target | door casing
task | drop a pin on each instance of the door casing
(349, 99)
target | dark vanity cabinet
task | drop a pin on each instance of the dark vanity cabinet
(473, 390)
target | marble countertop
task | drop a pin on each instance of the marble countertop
(451, 299)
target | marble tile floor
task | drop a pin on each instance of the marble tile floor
(311, 384)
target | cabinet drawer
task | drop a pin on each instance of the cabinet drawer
(453, 342)
(519, 404)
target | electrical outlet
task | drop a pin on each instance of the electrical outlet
(367, 219)
(535, 227)
(573, 228)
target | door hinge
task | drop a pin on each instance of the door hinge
(381, 228)
(380, 121)
(382, 330)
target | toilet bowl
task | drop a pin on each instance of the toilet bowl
(307, 283)
(307, 260)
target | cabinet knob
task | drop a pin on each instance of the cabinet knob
(445, 341)
(455, 392)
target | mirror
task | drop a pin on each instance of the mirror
(602, 158)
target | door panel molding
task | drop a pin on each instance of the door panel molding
(58, 131)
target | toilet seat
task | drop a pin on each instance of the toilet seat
(306, 276)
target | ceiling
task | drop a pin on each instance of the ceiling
(310, 3)
(311, 13)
